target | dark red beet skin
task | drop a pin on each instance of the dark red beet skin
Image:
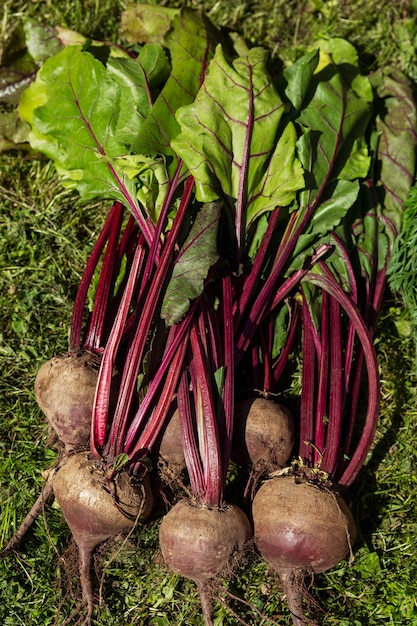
(91, 511)
(299, 525)
(170, 446)
(95, 513)
(197, 542)
(65, 388)
(264, 434)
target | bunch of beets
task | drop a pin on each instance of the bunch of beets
(243, 261)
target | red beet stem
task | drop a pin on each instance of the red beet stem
(309, 373)
(81, 296)
(359, 455)
(101, 403)
(94, 335)
(293, 584)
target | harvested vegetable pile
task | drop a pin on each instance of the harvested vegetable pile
(253, 214)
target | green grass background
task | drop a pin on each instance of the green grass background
(44, 242)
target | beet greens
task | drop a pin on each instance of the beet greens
(254, 216)
(363, 246)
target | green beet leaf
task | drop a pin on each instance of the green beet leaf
(198, 254)
(42, 41)
(280, 321)
(74, 109)
(392, 239)
(30, 44)
(378, 217)
(335, 112)
(145, 23)
(282, 179)
(191, 43)
(335, 119)
(336, 106)
(297, 78)
(326, 218)
(396, 150)
(140, 81)
(151, 180)
(233, 141)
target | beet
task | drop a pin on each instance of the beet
(197, 542)
(264, 434)
(170, 448)
(65, 388)
(96, 509)
(301, 528)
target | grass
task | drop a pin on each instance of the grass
(44, 241)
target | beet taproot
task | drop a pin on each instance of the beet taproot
(197, 542)
(170, 450)
(301, 528)
(264, 434)
(65, 387)
(97, 509)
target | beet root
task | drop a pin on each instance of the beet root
(96, 510)
(300, 528)
(65, 388)
(197, 542)
(264, 434)
(37, 508)
(170, 450)
(298, 524)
